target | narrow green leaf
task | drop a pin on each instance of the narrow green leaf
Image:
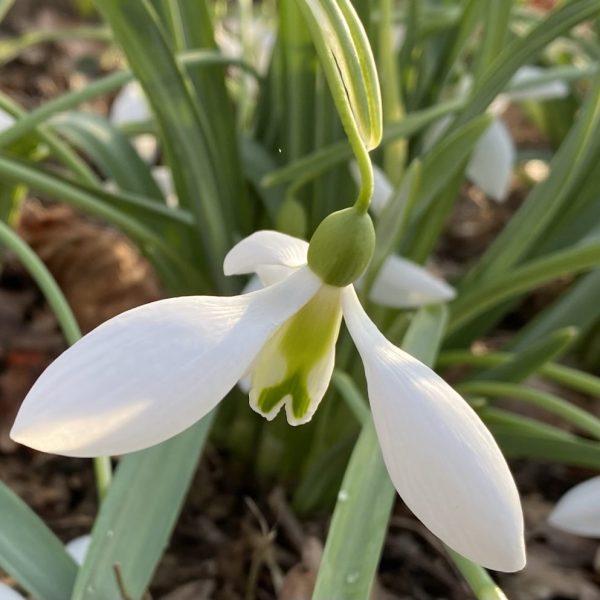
(531, 358)
(31, 553)
(109, 149)
(185, 134)
(524, 50)
(570, 163)
(138, 515)
(520, 280)
(5, 6)
(545, 400)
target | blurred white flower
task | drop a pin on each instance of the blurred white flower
(493, 159)
(578, 511)
(131, 106)
(78, 547)
(153, 371)
(7, 593)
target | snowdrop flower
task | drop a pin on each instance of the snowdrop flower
(578, 511)
(493, 159)
(153, 371)
(131, 106)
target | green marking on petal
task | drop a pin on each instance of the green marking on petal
(292, 366)
(294, 387)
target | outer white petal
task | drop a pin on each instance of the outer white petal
(7, 593)
(543, 91)
(265, 248)
(402, 283)
(78, 548)
(382, 188)
(130, 105)
(578, 511)
(6, 120)
(492, 161)
(153, 371)
(441, 458)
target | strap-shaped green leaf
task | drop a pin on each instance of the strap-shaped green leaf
(138, 515)
(31, 553)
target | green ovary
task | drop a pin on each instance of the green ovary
(290, 363)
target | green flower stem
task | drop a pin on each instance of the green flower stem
(549, 402)
(479, 580)
(574, 378)
(59, 305)
(103, 86)
(520, 280)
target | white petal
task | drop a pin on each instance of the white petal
(78, 548)
(164, 179)
(294, 367)
(542, 91)
(441, 458)
(265, 248)
(153, 371)
(382, 188)
(578, 511)
(492, 161)
(7, 593)
(254, 284)
(130, 105)
(402, 283)
(6, 120)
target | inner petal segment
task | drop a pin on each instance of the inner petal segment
(294, 367)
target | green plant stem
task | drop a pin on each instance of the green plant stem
(64, 315)
(479, 580)
(549, 402)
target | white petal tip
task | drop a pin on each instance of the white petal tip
(78, 548)
(578, 511)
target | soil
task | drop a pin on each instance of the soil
(237, 539)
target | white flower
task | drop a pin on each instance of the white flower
(78, 547)
(7, 593)
(493, 159)
(153, 371)
(131, 106)
(578, 511)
